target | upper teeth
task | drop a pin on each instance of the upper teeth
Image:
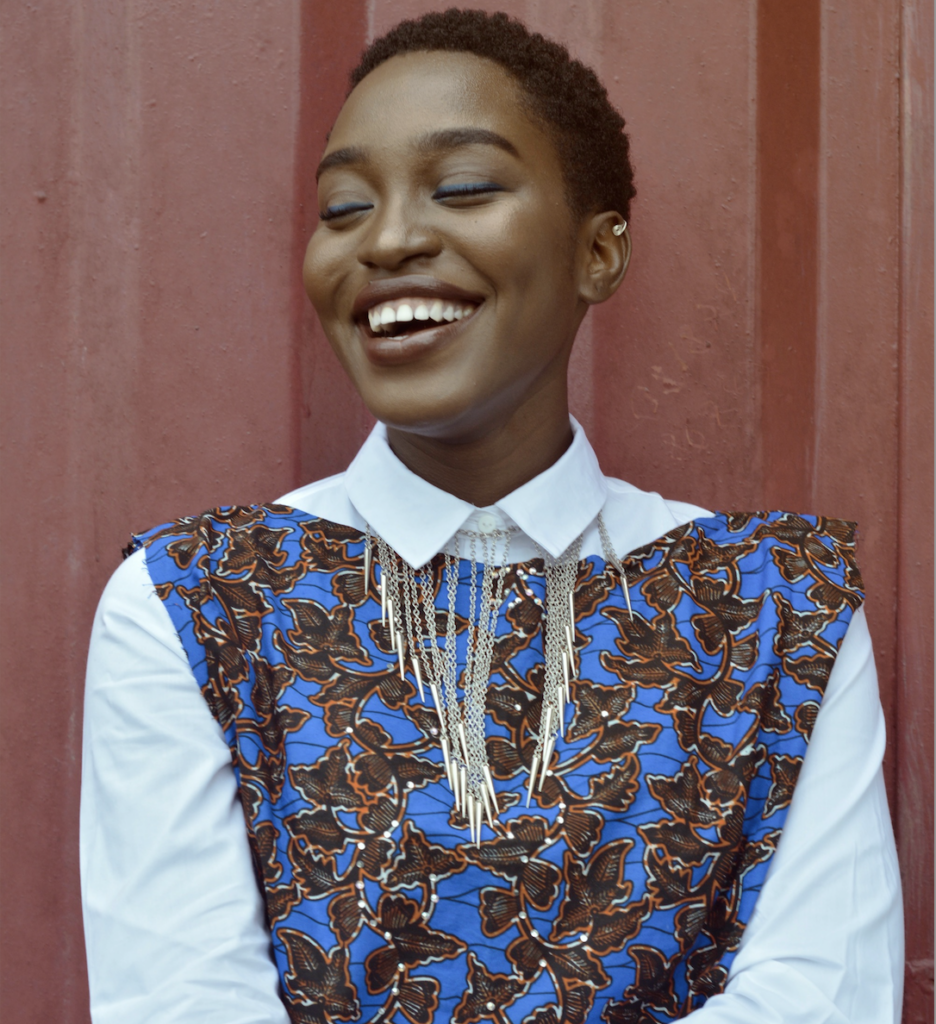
(404, 310)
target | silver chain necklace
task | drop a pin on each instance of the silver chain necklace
(408, 611)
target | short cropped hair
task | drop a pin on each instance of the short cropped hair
(564, 96)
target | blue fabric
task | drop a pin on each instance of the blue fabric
(622, 893)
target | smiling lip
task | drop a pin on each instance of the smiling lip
(390, 350)
(416, 285)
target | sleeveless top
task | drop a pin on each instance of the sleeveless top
(622, 893)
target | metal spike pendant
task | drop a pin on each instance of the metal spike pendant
(418, 673)
(408, 605)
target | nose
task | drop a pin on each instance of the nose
(397, 232)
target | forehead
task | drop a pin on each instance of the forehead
(413, 93)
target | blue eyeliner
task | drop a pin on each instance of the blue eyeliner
(468, 189)
(331, 212)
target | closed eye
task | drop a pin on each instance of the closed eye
(466, 190)
(343, 209)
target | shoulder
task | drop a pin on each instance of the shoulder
(325, 499)
(790, 551)
(267, 542)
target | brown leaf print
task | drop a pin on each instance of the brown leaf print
(420, 861)
(592, 888)
(346, 916)
(320, 983)
(484, 988)
(784, 771)
(612, 930)
(410, 942)
(805, 717)
(328, 781)
(265, 836)
(317, 629)
(499, 909)
(418, 998)
(812, 671)
(763, 700)
(797, 629)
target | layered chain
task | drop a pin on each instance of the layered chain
(408, 611)
(559, 648)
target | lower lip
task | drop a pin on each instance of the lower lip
(384, 350)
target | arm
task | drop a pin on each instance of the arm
(825, 942)
(174, 921)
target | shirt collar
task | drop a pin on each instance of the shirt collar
(418, 519)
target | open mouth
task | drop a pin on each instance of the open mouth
(410, 315)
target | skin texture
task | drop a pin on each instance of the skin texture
(480, 407)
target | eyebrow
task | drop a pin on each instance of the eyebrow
(431, 142)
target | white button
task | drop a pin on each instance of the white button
(486, 523)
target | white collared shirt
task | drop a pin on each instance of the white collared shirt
(174, 920)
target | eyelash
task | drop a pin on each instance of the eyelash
(445, 192)
(461, 191)
(331, 212)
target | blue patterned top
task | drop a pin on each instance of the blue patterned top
(622, 892)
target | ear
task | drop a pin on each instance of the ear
(604, 256)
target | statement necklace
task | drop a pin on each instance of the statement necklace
(408, 611)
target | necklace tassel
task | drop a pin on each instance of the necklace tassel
(533, 768)
(491, 790)
(626, 589)
(392, 624)
(419, 682)
(448, 762)
(547, 757)
(487, 806)
(464, 741)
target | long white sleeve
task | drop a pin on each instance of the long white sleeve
(825, 942)
(174, 921)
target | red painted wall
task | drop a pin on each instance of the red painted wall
(772, 345)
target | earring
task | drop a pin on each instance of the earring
(619, 229)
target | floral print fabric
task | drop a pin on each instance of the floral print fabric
(622, 892)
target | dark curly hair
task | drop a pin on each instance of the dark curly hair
(564, 96)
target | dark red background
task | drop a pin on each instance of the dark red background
(772, 346)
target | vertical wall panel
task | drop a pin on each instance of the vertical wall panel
(788, 116)
(856, 456)
(914, 660)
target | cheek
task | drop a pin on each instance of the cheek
(534, 266)
(320, 275)
(534, 248)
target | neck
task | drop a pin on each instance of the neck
(486, 468)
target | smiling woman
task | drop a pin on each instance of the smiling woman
(461, 213)
(472, 731)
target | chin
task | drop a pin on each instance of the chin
(457, 419)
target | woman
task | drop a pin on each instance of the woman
(512, 740)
